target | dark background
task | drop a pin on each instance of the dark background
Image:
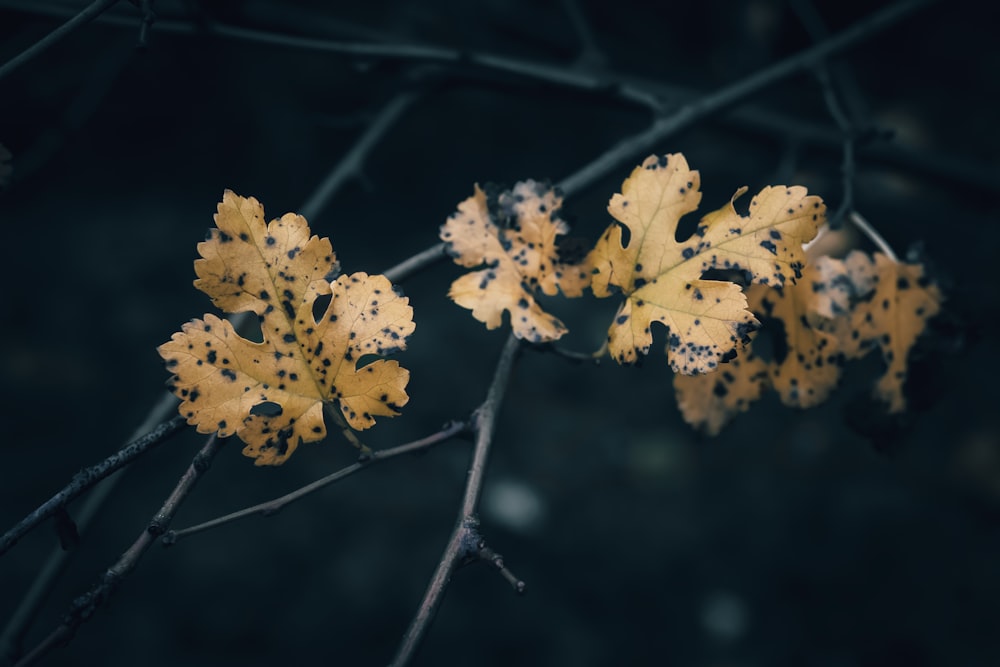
(794, 538)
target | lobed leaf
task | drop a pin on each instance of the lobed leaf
(661, 278)
(271, 394)
(840, 310)
(516, 244)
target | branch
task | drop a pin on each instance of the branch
(17, 626)
(84, 606)
(148, 18)
(88, 477)
(352, 162)
(716, 102)
(465, 541)
(87, 14)
(449, 431)
(419, 261)
(558, 75)
(832, 96)
(647, 93)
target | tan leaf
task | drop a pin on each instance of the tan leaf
(271, 394)
(519, 256)
(706, 320)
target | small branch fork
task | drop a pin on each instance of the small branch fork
(271, 507)
(466, 544)
(88, 477)
(84, 606)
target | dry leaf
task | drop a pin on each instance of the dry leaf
(839, 310)
(706, 320)
(516, 244)
(271, 394)
(898, 301)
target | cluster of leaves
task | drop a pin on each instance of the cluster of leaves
(709, 293)
(840, 310)
(830, 310)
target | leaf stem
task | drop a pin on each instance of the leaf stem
(873, 235)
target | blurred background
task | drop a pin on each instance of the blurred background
(832, 537)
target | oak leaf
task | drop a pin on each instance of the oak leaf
(271, 394)
(515, 241)
(706, 320)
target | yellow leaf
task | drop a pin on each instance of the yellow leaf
(892, 318)
(520, 258)
(271, 394)
(839, 310)
(802, 363)
(706, 320)
(708, 402)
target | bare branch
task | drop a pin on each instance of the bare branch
(496, 560)
(572, 355)
(465, 541)
(87, 14)
(419, 261)
(17, 626)
(715, 102)
(832, 96)
(88, 477)
(270, 507)
(352, 162)
(146, 22)
(84, 606)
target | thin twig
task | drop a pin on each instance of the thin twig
(876, 238)
(87, 14)
(832, 96)
(648, 93)
(715, 102)
(84, 606)
(558, 75)
(19, 622)
(572, 355)
(590, 52)
(146, 22)
(352, 162)
(411, 265)
(88, 477)
(465, 541)
(496, 560)
(270, 507)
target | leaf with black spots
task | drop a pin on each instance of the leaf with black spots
(515, 244)
(661, 278)
(271, 394)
